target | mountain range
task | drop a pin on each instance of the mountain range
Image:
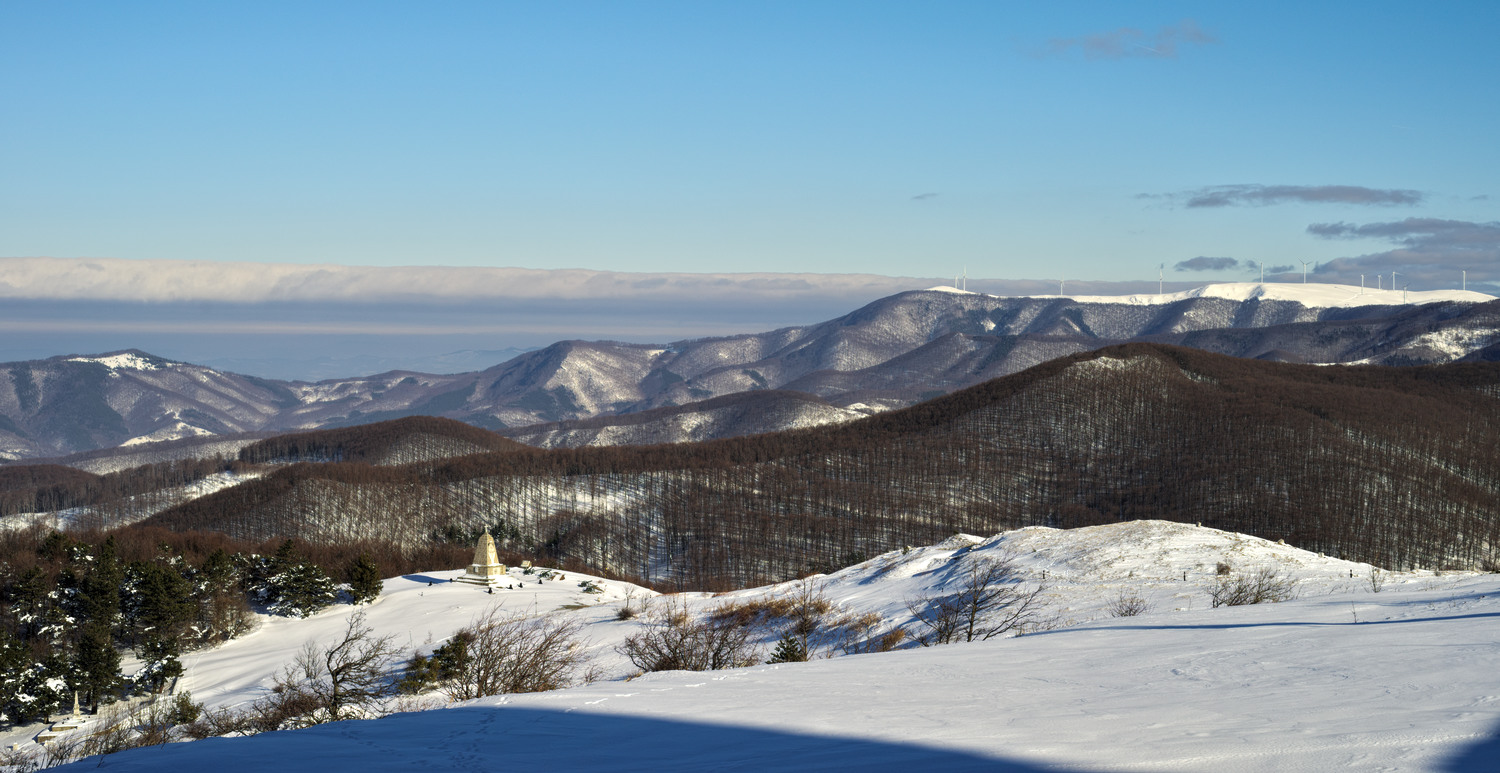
(891, 353)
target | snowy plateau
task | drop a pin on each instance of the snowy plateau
(1350, 674)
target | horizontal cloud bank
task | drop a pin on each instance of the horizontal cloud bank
(1431, 252)
(308, 322)
(176, 281)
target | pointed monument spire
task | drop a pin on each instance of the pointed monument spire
(486, 569)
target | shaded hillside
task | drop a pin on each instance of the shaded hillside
(42, 488)
(400, 441)
(1395, 466)
(106, 460)
(114, 498)
(69, 404)
(745, 413)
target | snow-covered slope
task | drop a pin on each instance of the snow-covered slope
(1340, 678)
(1312, 296)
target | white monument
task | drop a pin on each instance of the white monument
(486, 569)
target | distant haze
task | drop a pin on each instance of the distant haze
(313, 322)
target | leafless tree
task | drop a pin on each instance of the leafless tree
(345, 677)
(990, 601)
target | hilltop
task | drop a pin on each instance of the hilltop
(1338, 677)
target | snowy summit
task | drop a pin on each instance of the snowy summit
(1312, 296)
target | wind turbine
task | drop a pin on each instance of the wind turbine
(1466, 280)
(1262, 272)
(966, 279)
(1393, 281)
(1159, 270)
(1361, 284)
(1305, 264)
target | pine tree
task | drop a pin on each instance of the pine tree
(99, 591)
(162, 609)
(364, 580)
(217, 590)
(789, 650)
(96, 664)
(288, 586)
(302, 590)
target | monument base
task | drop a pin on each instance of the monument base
(491, 575)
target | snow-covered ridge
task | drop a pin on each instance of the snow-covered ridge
(122, 361)
(174, 431)
(1312, 295)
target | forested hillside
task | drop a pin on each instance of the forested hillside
(1396, 466)
(400, 441)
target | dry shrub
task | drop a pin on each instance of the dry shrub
(673, 641)
(1265, 586)
(1129, 604)
(517, 654)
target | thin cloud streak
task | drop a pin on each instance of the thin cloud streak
(1202, 263)
(1256, 195)
(1131, 43)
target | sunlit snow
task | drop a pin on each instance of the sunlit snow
(1312, 295)
(1342, 677)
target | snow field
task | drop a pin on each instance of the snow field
(1340, 677)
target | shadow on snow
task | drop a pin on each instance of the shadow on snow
(497, 738)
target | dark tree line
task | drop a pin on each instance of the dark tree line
(70, 605)
(116, 497)
(391, 442)
(1396, 466)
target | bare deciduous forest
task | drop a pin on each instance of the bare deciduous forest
(1396, 466)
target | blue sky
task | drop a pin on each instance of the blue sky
(891, 138)
(1020, 140)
